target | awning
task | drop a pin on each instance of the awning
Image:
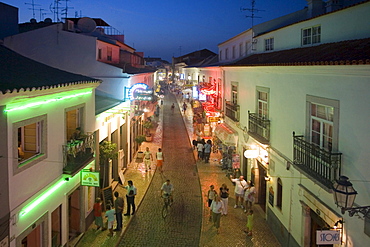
(226, 134)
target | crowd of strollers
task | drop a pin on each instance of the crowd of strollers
(244, 197)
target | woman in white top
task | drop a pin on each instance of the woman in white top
(249, 194)
(216, 208)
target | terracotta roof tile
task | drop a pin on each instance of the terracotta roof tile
(339, 53)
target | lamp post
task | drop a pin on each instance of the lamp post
(344, 196)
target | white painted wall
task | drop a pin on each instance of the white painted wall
(289, 86)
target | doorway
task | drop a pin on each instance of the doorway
(74, 210)
(258, 178)
(317, 223)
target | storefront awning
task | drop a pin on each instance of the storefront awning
(226, 134)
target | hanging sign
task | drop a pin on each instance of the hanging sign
(89, 178)
(327, 237)
(140, 91)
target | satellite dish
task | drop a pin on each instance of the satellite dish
(33, 20)
(86, 25)
(48, 20)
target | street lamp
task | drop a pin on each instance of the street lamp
(344, 196)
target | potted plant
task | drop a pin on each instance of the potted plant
(107, 151)
(147, 125)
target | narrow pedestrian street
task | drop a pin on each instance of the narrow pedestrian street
(188, 221)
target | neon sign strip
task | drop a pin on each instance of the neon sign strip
(45, 102)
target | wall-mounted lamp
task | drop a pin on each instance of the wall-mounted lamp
(344, 197)
(267, 178)
(338, 224)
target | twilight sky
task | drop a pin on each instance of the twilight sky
(167, 28)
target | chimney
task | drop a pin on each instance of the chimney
(332, 5)
(315, 8)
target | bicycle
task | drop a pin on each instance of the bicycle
(166, 204)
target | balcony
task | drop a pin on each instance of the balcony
(77, 154)
(232, 111)
(322, 165)
(259, 128)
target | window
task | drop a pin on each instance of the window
(323, 122)
(311, 35)
(226, 53)
(99, 53)
(74, 119)
(220, 55)
(279, 199)
(240, 49)
(322, 126)
(246, 48)
(109, 53)
(30, 135)
(234, 52)
(262, 102)
(234, 94)
(269, 44)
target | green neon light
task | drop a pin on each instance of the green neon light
(42, 197)
(45, 101)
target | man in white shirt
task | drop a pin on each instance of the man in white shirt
(240, 185)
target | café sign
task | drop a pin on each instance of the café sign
(89, 178)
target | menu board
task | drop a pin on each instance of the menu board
(107, 196)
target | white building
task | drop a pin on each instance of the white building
(42, 199)
(301, 99)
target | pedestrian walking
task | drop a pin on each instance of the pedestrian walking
(118, 206)
(98, 214)
(172, 108)
(130, 197)
(207, 151)
(184, 106)
(109, 213)
(224, 194)
(249, 195)
(148, 157)
(211, 194)
(160, 158)
(216, 208)
(194, 142)
(240, 184)
(249, 225)
(200, 147)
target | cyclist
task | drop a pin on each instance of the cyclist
(167, 189)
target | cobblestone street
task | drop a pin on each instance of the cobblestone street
(188, 221)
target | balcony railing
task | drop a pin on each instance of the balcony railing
(232, 111)
(77, 154)
(259, 128)
(321, 164)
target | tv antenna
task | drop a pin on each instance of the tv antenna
(65, 10)
(42, 13)
(33, 8)
(252, 10)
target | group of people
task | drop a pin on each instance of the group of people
(148, 158)
(114, 212)
(204, 149)
(218, 202)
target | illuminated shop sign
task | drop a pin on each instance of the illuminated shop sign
(140, 91)
(89, 178)
(328, 237)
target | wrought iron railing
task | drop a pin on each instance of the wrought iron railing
(259, 128)
(321, 164)
(232, 111)
(78, 153)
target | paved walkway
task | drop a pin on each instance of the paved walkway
(232, 225)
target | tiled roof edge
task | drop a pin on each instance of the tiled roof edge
(32, 89)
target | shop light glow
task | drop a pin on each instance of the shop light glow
(41, 198)
(45, 101)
